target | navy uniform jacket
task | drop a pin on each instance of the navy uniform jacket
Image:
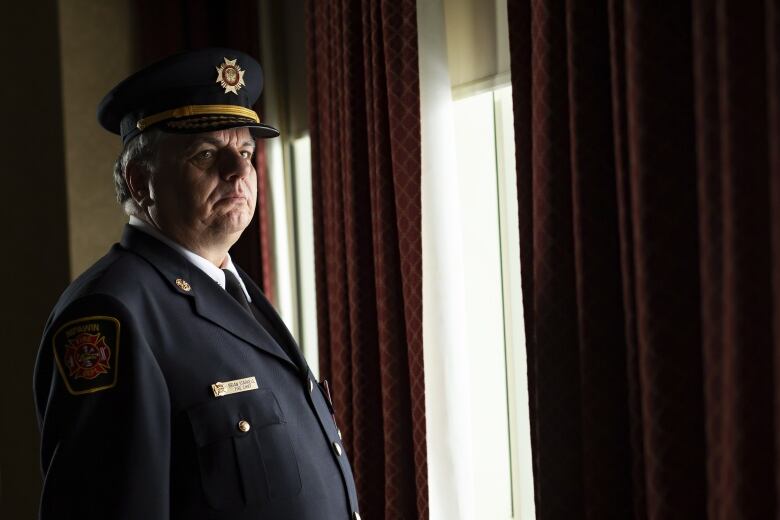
(131, 428)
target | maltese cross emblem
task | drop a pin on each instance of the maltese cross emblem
(230, 76)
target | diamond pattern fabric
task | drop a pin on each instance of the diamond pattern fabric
(647, 141)
(366, 168)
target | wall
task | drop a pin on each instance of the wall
(58, 209)
(33, 213)
(477, 44)
(96, 54)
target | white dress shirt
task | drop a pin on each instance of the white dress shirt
(201, 263)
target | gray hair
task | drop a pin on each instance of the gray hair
(141, 150)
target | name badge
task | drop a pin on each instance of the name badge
(234, 387)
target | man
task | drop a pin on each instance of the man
(166, 385)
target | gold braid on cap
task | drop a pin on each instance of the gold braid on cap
(197, 110)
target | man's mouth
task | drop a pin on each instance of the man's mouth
(232, 197)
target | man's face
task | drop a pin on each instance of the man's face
(204, 188)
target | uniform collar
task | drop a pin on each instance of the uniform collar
(213, 272)
(209, 301)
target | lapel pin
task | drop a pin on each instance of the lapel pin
(183, 285)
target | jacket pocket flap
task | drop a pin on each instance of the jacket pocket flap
(234, 416)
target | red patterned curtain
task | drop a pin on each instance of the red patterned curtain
(648, 169)
(164, 28)
(366, 167)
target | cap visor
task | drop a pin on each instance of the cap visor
(197, 125)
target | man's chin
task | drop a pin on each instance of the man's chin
(232, 222)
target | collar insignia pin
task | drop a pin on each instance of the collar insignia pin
(183, 285)
(230, 76)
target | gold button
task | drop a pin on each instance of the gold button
(356, 516)
(337, 448)
(244, 426)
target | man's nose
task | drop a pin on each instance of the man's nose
(233, 164)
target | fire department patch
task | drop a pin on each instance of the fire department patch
(86, 351)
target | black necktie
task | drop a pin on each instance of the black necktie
(234, 289)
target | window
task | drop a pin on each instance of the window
(495, 341)
(290, 185)
(304, 240)
(479, 452)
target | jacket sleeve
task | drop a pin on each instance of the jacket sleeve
(104, 413)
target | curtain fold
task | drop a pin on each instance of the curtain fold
(365, 134)
(647, 164)
(737, 317)
(165, 28)
(773, 124)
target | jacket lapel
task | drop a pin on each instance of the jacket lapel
(287, 341)
(210, 301)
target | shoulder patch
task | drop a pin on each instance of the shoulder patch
(87, 353)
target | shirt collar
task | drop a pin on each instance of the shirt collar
(214, 272)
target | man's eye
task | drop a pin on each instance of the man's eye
(246, 155)
(204, 155)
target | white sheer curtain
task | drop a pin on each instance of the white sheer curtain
(446, 359)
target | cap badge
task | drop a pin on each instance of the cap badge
(230, 76)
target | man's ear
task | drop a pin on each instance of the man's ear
(137, 179)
